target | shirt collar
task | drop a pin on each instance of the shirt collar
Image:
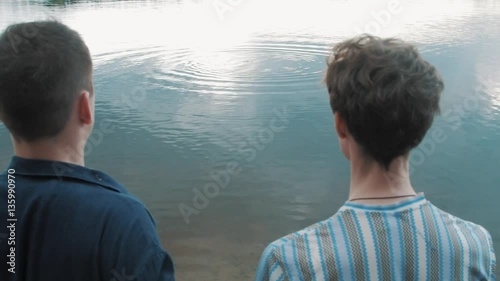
(62, 170)
(405, 204)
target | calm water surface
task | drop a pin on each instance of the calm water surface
(190, 86)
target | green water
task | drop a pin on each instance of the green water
(193, 89)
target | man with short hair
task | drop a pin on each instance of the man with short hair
(63, 221)
(384, 96)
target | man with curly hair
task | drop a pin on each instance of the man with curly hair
(384, 97)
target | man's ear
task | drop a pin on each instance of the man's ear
(84, 108)
(340, 126)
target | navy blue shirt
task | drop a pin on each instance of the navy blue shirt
(60, 221)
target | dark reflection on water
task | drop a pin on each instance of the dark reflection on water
(190, 88)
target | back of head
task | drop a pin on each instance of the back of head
(386, 93)
(44, 65)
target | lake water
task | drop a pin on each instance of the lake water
(193, 89)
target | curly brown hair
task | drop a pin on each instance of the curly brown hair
(386, 93)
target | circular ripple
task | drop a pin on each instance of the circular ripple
(246, 68)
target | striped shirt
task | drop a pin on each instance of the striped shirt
(409, 240)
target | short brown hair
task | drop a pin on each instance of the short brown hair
(44, 66)
(386, 92)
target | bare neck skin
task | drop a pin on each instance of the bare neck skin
(371, 180)
(53, 149)
(69, 145)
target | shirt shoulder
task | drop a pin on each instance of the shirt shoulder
(462, 225)
(476, 233)
(316, 229)
(292, 255)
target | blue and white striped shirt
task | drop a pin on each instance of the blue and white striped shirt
(409, 240)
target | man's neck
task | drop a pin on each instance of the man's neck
(370, 180)
(50, 149)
